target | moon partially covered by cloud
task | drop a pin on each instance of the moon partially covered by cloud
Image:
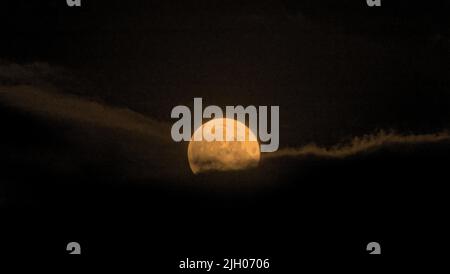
(223, 155)
(93, 133)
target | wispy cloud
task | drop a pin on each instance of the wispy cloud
(95, 135)
(57, 106)
(32, 74)
(360, 145)
(40, 89)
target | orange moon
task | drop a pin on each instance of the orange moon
(241, 152)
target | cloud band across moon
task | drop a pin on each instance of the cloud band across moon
(139, 145)
(75, 110)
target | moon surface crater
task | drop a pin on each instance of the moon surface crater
(237, 154)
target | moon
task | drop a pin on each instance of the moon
(241, 152)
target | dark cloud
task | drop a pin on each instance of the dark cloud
(78, 110)
(134, 146)
(36, 73)
(393, 17)
(139, 146)
(50, 129)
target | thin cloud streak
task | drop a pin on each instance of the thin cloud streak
(360, 145)
(72, 108)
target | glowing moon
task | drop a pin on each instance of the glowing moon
(223, 155)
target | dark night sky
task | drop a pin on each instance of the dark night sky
(336, 70)
(86, 95)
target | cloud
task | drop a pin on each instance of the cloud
(65, 107)
(71, 135)
(36, 73)
(41, 89)
(359, 145)
(138, 146)
(110, 140)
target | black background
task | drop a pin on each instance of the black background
(384, 68)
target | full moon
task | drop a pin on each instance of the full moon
(242, 152)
